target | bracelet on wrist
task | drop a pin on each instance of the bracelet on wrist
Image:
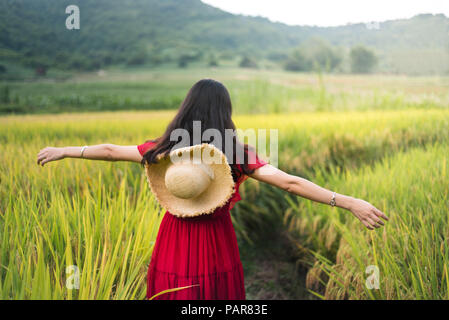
(332, 202)
(82, 150)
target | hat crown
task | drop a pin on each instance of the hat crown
(187, 180)
(189, 187)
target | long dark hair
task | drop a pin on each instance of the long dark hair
(207, 101)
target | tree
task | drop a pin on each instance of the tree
(5, 95)
(297, 61)
(138, 57)
(213, 61)
(183, 61)
(314, 54)
(323, 56)
(247, 62)
(156, 58)
(362, 59)
(188, 56)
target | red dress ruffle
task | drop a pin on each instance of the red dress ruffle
(198, 251)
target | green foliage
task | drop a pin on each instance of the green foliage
(213, 61)
(363, 60)
(136, 58)
(183, 62)
(113, 31)
(314, 55)
(185, 58)
(5, 95)
(297, 61)
(324, 57)
(248, 62)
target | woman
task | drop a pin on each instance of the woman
(202, 252)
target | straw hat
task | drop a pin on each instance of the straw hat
(191, 181)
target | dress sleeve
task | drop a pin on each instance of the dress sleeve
(254, 162)
(144, 147)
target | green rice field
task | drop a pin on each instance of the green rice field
(380, 138)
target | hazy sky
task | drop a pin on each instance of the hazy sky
(331, 12)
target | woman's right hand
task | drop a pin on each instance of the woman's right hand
(368, 214)
(49, 154)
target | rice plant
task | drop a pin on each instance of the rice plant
(408, 258)
(98, 220)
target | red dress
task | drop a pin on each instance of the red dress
(200, 250)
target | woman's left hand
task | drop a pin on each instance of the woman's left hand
(368, 214)
(50, 154)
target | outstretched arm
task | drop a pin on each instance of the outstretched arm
(106, 152)
(364, 211)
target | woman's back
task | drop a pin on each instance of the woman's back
(201, 251)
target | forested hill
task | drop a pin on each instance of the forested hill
(33, 33)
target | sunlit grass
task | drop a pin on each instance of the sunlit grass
(101, 216)
(410, 252)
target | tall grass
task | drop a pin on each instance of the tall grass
(102, 217)
(410, 252)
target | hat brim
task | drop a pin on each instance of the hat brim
(216, 195)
